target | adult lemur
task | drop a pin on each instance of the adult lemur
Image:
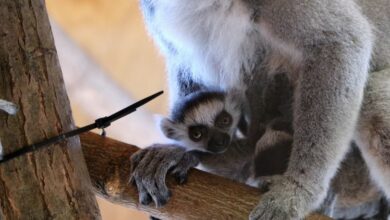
(204, 123)
(324, 46)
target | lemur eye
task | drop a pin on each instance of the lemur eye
(223, 120)
(226, 120)
(197, 133)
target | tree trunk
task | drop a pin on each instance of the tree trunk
(52, 183)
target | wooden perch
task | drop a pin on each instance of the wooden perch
(205, 196)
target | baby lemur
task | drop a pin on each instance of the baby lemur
(327, 47)
(207, 121)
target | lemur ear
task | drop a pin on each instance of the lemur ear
(169, 128)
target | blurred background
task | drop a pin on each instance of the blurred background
(108, 62)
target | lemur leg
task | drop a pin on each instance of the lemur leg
(326, 109)
(373, 130)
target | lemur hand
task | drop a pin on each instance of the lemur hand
(285, 200)
(150, 166)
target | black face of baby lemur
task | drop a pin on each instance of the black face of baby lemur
(204, 121)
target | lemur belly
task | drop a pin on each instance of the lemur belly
(219, 40)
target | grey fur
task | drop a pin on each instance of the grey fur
(150, 167)
(373, 129)
(235, 161)
(324, 46)
(202, 111)
(352, 194)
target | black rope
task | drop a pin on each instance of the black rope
(100, 123)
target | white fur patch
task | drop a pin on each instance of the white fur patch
(8, 107)
(212, 37)
(218, 40)
(283, 56)
(205, 113)
(254, 181)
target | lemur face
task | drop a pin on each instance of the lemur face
(204, 121)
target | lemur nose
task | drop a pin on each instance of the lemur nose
(221, 139)
(218, 142)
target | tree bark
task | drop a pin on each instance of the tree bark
(52, 183)
(205, 196)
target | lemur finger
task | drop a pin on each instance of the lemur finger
(140, 154)
(180, 173)
(161, 173)
(158, 197)
(181, 170)
(157, 166)
(187, 161)
(150, 160)
(136, 158)
(150, 167)
(143, 195)
(181, 177)
(169, 158)
(140, 161)
(169, 161)
(155, 173)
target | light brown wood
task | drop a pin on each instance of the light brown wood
(205, 196)
(52, 183)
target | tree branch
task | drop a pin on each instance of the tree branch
(205, 196)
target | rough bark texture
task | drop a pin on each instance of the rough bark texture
(205, 196)
(51, 183)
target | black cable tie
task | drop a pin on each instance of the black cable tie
(100, 123)
(103, 134)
